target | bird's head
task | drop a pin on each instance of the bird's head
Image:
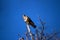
(24, 17)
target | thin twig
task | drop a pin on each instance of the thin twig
(30, 32)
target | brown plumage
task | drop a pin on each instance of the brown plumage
(29, 21)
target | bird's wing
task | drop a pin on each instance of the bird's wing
(30, 21)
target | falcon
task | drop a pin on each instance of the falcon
(29, 21)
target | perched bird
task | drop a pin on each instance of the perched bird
(29, 21)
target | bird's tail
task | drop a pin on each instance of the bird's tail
(34, 26)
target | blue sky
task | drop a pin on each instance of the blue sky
(11, 12)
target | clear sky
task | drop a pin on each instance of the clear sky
(11, 11)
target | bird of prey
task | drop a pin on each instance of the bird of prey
(29, 21)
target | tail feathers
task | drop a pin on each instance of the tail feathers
(34, 26)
